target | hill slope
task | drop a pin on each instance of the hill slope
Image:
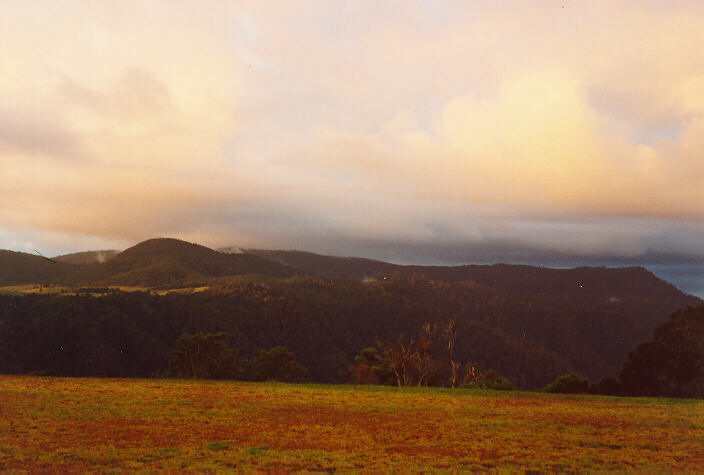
(87, 257)
(23, 268)
(163, 261)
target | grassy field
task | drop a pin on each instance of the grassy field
(105, 424)
(52, 289)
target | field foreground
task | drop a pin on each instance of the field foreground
(104, 424)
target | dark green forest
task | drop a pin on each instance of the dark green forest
(672, 362)
(530, 338)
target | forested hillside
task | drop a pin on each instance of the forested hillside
(152, 263)
(22, 268)
(529, 337)
(512, 278)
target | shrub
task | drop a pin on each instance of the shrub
(568, 384)
(370, 367)
(490, 380)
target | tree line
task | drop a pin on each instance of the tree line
(672, 364)
(528, 339)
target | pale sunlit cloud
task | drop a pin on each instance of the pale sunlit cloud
(323, 124)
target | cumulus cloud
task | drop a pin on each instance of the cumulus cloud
(318, 126)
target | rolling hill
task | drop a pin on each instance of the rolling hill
(168, 262)
(165, 262)
(22, 268)
(155, 262)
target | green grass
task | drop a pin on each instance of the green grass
(82, 424)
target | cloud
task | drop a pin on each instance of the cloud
(537, 148)
(29, 132)
(311, 124)
(137, 93)
(141, 95)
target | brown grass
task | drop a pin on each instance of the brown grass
(60, 424)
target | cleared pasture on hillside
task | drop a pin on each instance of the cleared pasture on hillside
(103, 424)
(53, 289)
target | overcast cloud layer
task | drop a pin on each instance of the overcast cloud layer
(354, 127)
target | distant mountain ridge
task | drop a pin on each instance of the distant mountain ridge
(172, 262)
(508, 277)
(155, 262)
(356, 268)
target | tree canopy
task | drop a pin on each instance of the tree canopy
(203, 356)
(672, 364)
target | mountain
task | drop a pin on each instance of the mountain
(511, 278)
(22, 268)
(356, 268)
(165, 262)
(87, 257)
(155, 262)
(171, 262)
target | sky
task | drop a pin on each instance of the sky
(415, 131)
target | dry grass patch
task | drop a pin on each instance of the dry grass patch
(102, 424)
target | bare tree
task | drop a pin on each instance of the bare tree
(450, 335)
(473, 373)
(424, 362)
(400, 358)
(412, 360)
